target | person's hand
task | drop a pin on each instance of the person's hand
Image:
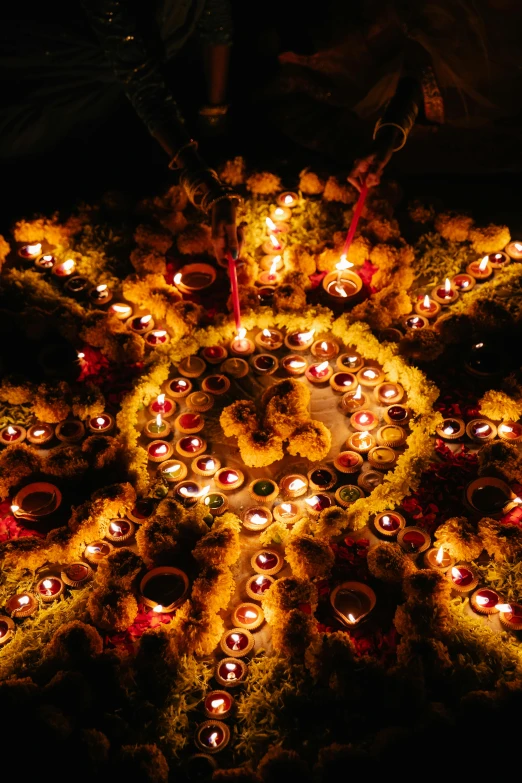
(226, 237)
(369, 168)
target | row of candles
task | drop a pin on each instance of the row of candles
(68, 431)
(464, 580)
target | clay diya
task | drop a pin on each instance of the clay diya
(205, 465)
(481, 430)
(287, 512)
(389, 523)
(293, 485)
(257, 585)
(230, 672)
(172, 471)
(7, 629)
(119, 530)
(218, 704)
(370, 376)
(97, 551)
(212, 736)
(76, 574)
(36, 501)
(318, 502)
(216, 503)
(462, 578)
(164, 587)
(248, 616)
(438, 559)
(163, 406)
(348, 494)
(321, 478)
(348, 462)
(388, 393)
(263, 490)
(413, 540)
(49, 588)
(267, 561)
(352, 602)
(451, 429)
(228, 479)
(351, 361)
(488, 495)
(485, 601)
(257, 518)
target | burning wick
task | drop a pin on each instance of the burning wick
(447, 286)
(296, 364)
(33, 250)
(296, 484)
(287, 507)
(289, 199)
(440, 555)
(101, 288)
(312, 501)
(503, 608)
(115, 528)
(212, 740)
(171, 468)
(15, 508)
(144, 320)
(482, 600)
(270, 224)
(217, 703)
(159, 423)
(352, 619)
(364, 418)
(11, 430)
(161, 449)
(39, 433)
(456, 574)
(177, 278)
(161, 399)
(483, 264)
(448, 430)
(482, 428)
(275, 242)
(47, 584)
(341, 266)
(370, 374)
(257, 519)
(23, 600)
(358, 393)
(250, 614)
(158, 608)
(426, 303)
(99, 421)
(120, 308)
(81, 355)
(68, 265)
(273, 267)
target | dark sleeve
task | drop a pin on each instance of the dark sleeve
(116, 24)
(215, 25)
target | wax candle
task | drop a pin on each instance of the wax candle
(101, 424)
(218, 704)
(65, 269)
(388, 393)
(370, 376)
(321, 372)
(50, 588)
(352, 361)
(119, 530)
(510, 430)
(30, 251)
(70, 431)
(191, 446)
(348, 461)
(76, 285)
(215, 384)
(257, 518)
(266, 561)
(318, 502)
(325, 349)
(172, 471)
(214, 354)
(269, 339)
(287, 512)
(451, 429)
(463, 282)
(248, 615)
(206, 465)
(229, 478)
(353, 400)
(389, 523)
(415, 322)
(289, 199)
(294, 365)
(45, 262)
(514, 250)
(427, 307)
(382, 457)
(189, 423)
(413, 540)
(7, 629)
(264, 364)
(179, 387)
(462, 578)
(21, 605)
(481, 430)
(364, 420)
(438, 558)
(230, 672)
(299, 341)
(237, 642)
(159, 451)
(121, 310)
(257, 585)
(485, 601)
(344, 382)
(12, 434)
(162, 405)
(480, 269)
(361, 442)
(293, 486)
(321, 478)
(141, 324)
(40, 434)
(192, 366)
(100, 294)
(156, 428)
(263, 490)
(157, 337)
(446, 294)
(97, 550)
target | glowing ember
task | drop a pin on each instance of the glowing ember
(15, 508)
(177, 278)
(100, 421)
(81, 355)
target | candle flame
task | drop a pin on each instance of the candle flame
(287, 508)
(305, 336)
(352, 618)
(195, 442)
(363, 418)
(145, 319)
(273, 267)
(288, 199)
(158, 608)
(482, 600)
(517, 500)
(11, 430)
(481, 429)
(341, 291)
(217, 703)
(358, 393)
(456, 574)
(296, 484)
(159, 333)
(15, 508)
(321, 367)
(448, 430)
(68, 265)
(47, 583)
(370, 374)
(505, 428)
(447, 285)
(177, 278)
(312, 501)
(415, 320)
(81, 355)
(270, 224)
(115, 528)
(235, 637)
(257, 519)
(171, 468)
(503, 608)
(323, 346)
(385, 520)
(212, 740)
(426, 303)
(161, 399)
(440, 555)
(100, 421)
(296, 364)
(279, 212)
(158, 420)
(241, 333)
(389, 393)
(518, 247)
(275, 242)
(343, 263)
(250, 614)
(33, 250)
(267, 333)
(120, 308)
(204, 491)
(24, 600)
(101, 288)
(260, 580)
(483, 264)
(162, 449)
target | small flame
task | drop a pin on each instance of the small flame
(260, 580)
(448, 430)
(159, 333)
(251, 615)
(440, 555)
(279, 212)
(241, 333)
(177, 278)
(517, 500)
(11, 430)
(312, 501)
(15, 508)
(321, 367)
(358, 393)
(352, 618)
(341, 291)
(204, 491)
(275, 242)
(305, 336)
(47, 583)
(81, 355)
(68, 265)
(115, 528)
(505, 428)
(518, 247)
(447, 285)
(217, 703)
(296, 364)
(33, 250)
(161, 399)
(121, 308)
(39, 433)
(296, 484)
(161, 449)
(171, 468)
(343, 263)
(270, 224)
(257, 519)
(504, 608)
(456, 574)
(267, 333)
(195, 442)
(389, 393)
(288, 199)
(415, 320)
(287, 508)
(363, 418)
(482, 600)
(483, 264)
(273, 267)
(92, 549)
(24, 600)
(47, 257)
(362, 436)
(483, 428)
(158, 421)
(100, 421)
(158, 608)
(145, 319)
(101, 288)
(426, 303)
(479, 345)
(212, 740)
(323, 346)
(370, 374)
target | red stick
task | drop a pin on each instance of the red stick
(355, 219)
(235, 290)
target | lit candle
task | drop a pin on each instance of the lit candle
(426, 306)
(159, 451)
(155, 427)
(241, 345)
(360, 442)
(248, 616)
(162, 405)
(21, 605)
(119, 530)
(293, 486)
(257, 518)
(40, 434)
(415, 322)
(389, 523)
(281, 213)
(172, 471)
(485, 601)
(141, 324)
(325, 349)
(299, 341)
(445, 294)
(101, 424)
(50, 588)
(12, 434)
(212, 736)
(481, 430)
(388, 393)
(30, 251)
(318, 502)
(353, 400)
(451, 429)
(510, 430)
(218, 704)
(288, 199)
(294, 365)
(319, 373)
(267, 561)
(157, 337)
(100, 294)
(269, 339)
(264, 364)
(45, 262)
(287, 512)
(514, 250)
(257, 585)
(121, 310)
(364, 420)
(65, 269)
(230, 672)
(229, 479)
(370, 376)
(463, 282)
(274, 244)
(480, 270)
(190, 446)
(462, 578)
(96, 551)
(438, 559)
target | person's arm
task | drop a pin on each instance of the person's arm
(116, 24)
(391, 133)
